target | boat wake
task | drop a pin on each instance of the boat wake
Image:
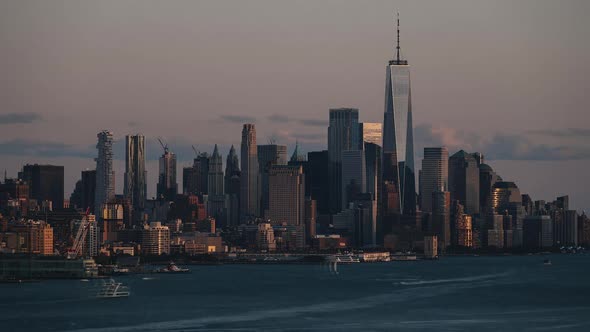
(453, 280)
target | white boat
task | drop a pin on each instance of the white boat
(112, 289)
(344, 259)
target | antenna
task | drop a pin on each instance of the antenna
(272, 140)
(397, 47)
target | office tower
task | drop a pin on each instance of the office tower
(343, 135)
(216, 195)
(370, 132)
(353, 175)
(487, 179)
(201, 165)
(105, 175)
(135, 185)
(435, 175)
(189, 180)
(365, 220)
(232, 187)
(441, 217)
(495, 231)
(319, 180)
(527, 204)
(583, 230)
(537, 232)
(83, 195)
(373, 162)
(155, 239)
(399, 194)
(249, 180)
(268, 155)
(461, 226)
(167, 187)
(506, 198)
(464, 181)
(215, 174)
(310, 216)
(286, 195)
(562, 202)
(565, 227)
(46, 183)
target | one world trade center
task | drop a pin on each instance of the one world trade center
(399, 188)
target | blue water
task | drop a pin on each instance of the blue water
(516, 293)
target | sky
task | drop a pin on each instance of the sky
(505, 78)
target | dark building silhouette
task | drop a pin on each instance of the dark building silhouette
(231, 183)
(46, 182)
(318, 179)
(464, 181)
(268, 155)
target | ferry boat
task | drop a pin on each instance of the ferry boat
(547, 262)
(112, 289)
(172, 268)
(345, 259)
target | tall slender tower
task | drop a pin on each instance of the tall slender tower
(135, 185)
(167, 186)
(216, 173)
(249, 182)
(399, 183)
(435, 176)
(105, 176)
(232, 187)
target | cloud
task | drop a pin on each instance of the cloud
(37, 148)
(497, 147)
(568, 132)
(278, 118)
(237, 118)
(19, 118)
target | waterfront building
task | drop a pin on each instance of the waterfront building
(399, 194)
(464, 181)
(461, 226)
(495, 231)
(265, 238)
(430, 246)
(537, 232)
(155, 239)
(135, 181)
(434, 175)
(112, 221)
(249, 179)
(441, 217)
(105, 175)
(46, 183)
(343, 135)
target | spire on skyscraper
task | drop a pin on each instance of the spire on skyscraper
(397, 47)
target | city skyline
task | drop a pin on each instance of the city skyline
(525, 135)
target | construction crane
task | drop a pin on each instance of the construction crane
(80, 238)
(196, 151)
(164, 146)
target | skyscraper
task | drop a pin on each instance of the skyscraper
(286, 195)
(232, 187)
(435, 175)
(354, 175)
(399, 181)
(105, 175)
(441, 217)
(464, 181)
(216, 203)
(249, 181)
(268, 155)
(343, 134)
(319, 180)
(46, 183)
(135, 185)
(167, 187)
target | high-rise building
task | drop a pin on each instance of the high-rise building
(135, 184)
(441, 217)
(399, 183)
(167, 186)
(286, 195)
(343, 135)
(461, 226)
(353, 175)
(464, 181)
(370, 132)
(232, 187)
(216, 194)
(537, 232)
(435, 175)
(310, 219)
(319, 180)
(88, 190)
(249, 180)
(105, 175)
(487, 179)
(268, 155)
(46, 183)
(195, 179)
(373, 153)
(155, 239)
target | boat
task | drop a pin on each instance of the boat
(112, 289)
(344, 259)
(172, 268)
(547, 262)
